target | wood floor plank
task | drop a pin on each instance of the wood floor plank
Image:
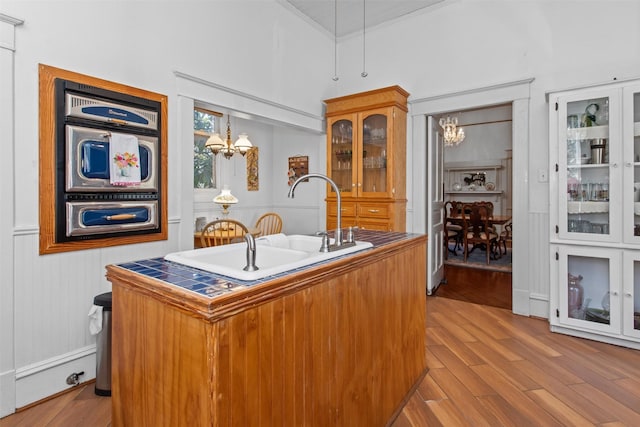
(456, 346)
(607, 404)
(516, 398)
(419, 414)
(462, 371)
(561, 390)
(457, 392)
(586, 369)
(504, 366)
(616, 369)
(496, 345)
(448, 414)
(557, 408)
(548, 364)
(568, 344)
(430, 390)
(631, 386)
(504, 411)
(432, 360)
(452, 327)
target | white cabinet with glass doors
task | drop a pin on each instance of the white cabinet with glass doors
(595, 211)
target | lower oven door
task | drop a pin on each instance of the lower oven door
(96, 218)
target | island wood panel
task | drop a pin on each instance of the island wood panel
(150, 366)
(349, 348)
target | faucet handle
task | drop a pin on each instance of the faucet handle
(350, 235)
(324, 247)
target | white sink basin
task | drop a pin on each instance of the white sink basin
(275, 254)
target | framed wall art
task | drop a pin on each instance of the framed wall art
(298, 166)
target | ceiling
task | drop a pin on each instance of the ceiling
(350, 13)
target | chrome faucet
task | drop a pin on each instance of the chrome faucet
(338, 233)
(251, 253)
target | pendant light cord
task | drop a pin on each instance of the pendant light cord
(335, 41)
(364, 44)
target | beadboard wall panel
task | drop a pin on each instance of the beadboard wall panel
(52, 297)
(539, 257)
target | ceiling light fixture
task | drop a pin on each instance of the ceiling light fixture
(452, 134)
(364, 26)
(228, 148)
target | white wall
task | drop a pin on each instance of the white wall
(460, 45)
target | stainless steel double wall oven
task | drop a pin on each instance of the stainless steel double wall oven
(88, 205)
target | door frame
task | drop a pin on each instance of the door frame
(516, 93)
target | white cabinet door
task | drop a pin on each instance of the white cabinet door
(631, 295)
(589, 288)
(631, 164)
(589, 152)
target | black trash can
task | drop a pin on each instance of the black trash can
(103, 347)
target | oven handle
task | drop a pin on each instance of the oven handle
(119, 217)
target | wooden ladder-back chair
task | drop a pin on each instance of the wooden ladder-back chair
(222, 232)
(477, 231)
(269, 223)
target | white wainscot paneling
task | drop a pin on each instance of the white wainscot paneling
(539, 257)
(53, 296)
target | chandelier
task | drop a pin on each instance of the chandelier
(228, 148)
(452, 134)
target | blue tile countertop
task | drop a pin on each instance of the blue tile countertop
(212, 285)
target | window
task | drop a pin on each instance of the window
(204, 165)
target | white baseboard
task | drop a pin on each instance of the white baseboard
(7, 393)
(43, 379)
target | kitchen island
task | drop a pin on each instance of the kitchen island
(338, 343)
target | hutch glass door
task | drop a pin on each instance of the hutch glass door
(374, 153)
(342, 151)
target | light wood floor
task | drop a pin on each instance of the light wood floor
(488, 367)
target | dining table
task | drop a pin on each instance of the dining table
(197, 243)
(493, 220)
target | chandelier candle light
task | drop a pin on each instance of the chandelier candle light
(452, 134)
(228, 148)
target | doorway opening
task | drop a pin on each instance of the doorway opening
(424, 161)
(479, 170)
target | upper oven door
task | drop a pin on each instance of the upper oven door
(88, 163)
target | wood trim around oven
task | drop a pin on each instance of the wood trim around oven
(47, 193)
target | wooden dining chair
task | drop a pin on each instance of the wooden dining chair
(489, 206)
(453, 232)
(477, 230)
(222, 232)
(269, 223)
(505, 237)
